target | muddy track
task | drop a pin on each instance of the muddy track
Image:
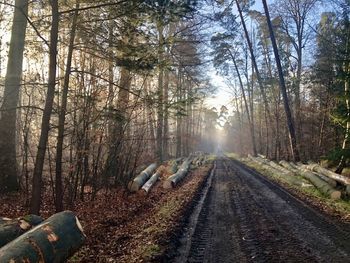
(244, 217)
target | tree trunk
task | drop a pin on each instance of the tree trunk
(255, 65)
(166, 117)
(346, 140)
(10, 229)
(160, 113)
(62, 118)
(8, 117)
(45, 124)
(54, 240)
(112, 163)
(290, 123)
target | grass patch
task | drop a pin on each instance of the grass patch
(151, 251)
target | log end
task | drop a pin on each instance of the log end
(133, 186)
(167, 184)
(336, 195)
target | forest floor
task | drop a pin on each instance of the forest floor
(124, 227)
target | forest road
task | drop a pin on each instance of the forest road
(247, 218)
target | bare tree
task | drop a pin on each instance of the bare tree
(45, 124)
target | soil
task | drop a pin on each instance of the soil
(247, 218)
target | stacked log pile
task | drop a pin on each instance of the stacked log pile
(174, 179)
(142, 178)
(326, 181)
(341, 179)
(277, 170)
(53, 240)
(177, 169)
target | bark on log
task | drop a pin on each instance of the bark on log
(338, 177)
(54, 240)
(281, 168)
(174, 165)
(151, 182)
(321, 185)
(289, 166)
(10, 229)
(174, 179)
(142, 178)
(329, 180)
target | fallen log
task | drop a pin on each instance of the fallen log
(289, 166)
(329, 180)
(173, 168)
(338, 177)
(174, 179)
(320, 184)
(10, 229)
(151, 182)
(54, 240)
(142, 178)
(281, 168)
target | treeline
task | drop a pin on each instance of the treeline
(103, 88)
(312, 39)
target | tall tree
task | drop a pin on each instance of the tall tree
(8, 117)
(62, 117)
(255, 64)
(45, 124)
(290, 123)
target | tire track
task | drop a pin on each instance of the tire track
(246, 218)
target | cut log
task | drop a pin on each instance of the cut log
(338, 177)
(10, 229)
(200, 161)
(142, 178)
(54, 240)
(329, 180)
(289, 166)
(281, 168)
(321, 185)
(174, 179)
(173, 168)
(151, 182)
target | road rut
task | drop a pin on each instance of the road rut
(247, 218)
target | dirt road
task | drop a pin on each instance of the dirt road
(244, 217)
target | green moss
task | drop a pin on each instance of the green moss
(150, 251)
(169, 208)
